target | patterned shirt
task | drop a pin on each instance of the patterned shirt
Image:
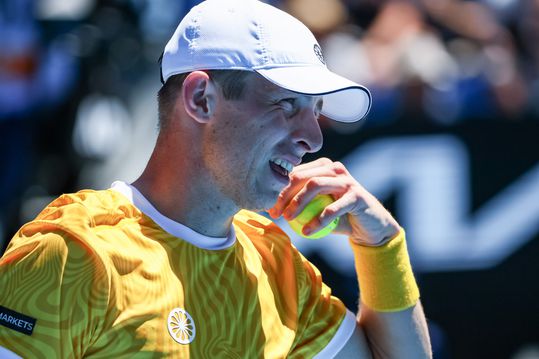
(104, 274)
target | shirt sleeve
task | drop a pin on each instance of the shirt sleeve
(324, 324)
(54, 294)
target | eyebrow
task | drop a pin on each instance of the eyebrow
(276, 93)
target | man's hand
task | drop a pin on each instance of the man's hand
(363, 218)
(400, 334)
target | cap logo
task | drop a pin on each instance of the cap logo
(318, 53)
(181, 326)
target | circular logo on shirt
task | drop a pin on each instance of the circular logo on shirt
(181, 326)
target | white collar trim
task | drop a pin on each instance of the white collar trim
(174, 228)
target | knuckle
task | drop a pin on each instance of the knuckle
(312, 184)
(295, 177)
(294, 202)
(325, 160)
(329, 211)
(339, 168)
(358, 198)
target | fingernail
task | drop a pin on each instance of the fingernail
(287, 214)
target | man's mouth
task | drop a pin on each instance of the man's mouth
(281, 166)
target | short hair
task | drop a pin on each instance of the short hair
(231, 83)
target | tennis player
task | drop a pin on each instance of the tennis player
(178, 263)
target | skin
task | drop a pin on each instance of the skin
(209, 163)
(213, 159)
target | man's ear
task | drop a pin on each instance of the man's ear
(199, 95)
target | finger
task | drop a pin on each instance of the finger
(322, 161)
(297, 181)
(312, 188)
(336, 209)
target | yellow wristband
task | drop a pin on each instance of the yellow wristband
(386, 280)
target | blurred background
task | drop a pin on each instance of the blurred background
(451, 145)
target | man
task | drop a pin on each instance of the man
(173, 264)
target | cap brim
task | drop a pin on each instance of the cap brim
(344, 100)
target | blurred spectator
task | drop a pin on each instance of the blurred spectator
(476, 23)
(437, 60)
(34, 77)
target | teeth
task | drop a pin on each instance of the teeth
(284, 164)
(289, 166)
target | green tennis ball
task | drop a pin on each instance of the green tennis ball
(312, 210)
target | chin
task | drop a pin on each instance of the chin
(261, 196)
(262, 202)
(259, 207)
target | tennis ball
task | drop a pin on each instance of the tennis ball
(312, 210)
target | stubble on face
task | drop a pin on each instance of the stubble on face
(238, 144)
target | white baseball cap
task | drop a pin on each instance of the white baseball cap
(254, 36)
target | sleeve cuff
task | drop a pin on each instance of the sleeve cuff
(341, 337)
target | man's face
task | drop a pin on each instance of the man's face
(252, 144)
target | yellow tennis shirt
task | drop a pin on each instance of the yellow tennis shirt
(103, 274)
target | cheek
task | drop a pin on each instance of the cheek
(247, 136)
(228, 150)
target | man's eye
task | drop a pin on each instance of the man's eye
(288, 104)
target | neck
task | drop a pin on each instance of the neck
(184, 192)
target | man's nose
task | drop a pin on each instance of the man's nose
(307, 131)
